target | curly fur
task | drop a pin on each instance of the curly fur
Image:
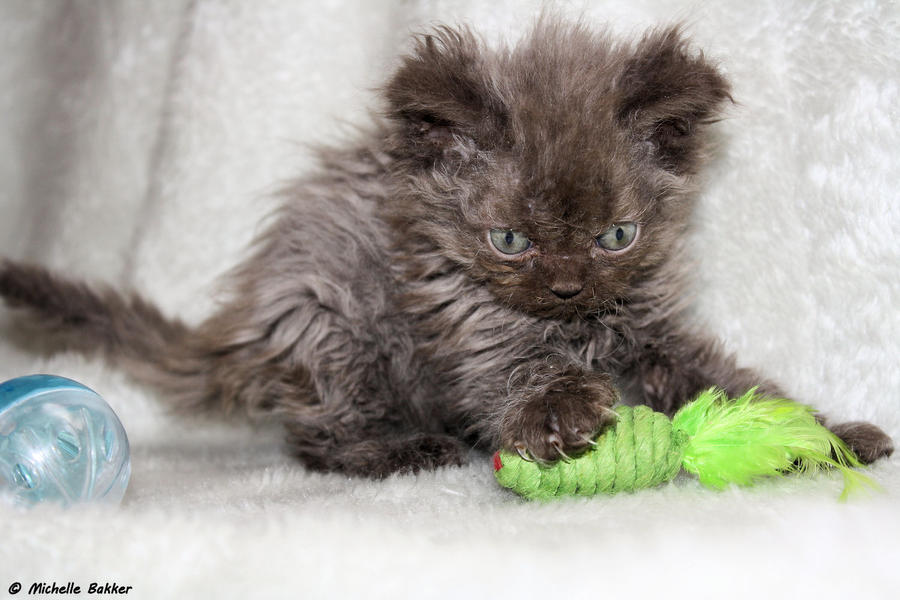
(374, 316)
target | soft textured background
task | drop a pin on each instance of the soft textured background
(139, 144)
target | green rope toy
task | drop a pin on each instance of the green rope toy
(721, 441)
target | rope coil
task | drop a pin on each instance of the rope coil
(642, 450)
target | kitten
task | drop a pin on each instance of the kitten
(490, 265)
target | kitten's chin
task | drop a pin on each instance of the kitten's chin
(562, 310)
(570, 312)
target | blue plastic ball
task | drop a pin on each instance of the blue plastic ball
(60, 442)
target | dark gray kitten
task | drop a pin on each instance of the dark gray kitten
(488, 266)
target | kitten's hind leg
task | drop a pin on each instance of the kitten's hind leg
(349, 401)
(349, 390)
(340, 371)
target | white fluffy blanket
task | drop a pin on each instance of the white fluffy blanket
(140, 143)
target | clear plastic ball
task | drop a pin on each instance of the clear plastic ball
(60, 442)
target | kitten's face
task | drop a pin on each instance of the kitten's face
(557, 173)
(560, 234)
(558, 252)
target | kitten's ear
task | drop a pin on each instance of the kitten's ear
(667, 94)
(440, 93)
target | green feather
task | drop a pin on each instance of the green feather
(741, 441)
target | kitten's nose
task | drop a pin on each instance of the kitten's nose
(566, 290)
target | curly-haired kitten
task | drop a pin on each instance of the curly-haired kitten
(489, 265)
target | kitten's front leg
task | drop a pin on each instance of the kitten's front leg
(671, 369)
(665, 369)
(554, 410)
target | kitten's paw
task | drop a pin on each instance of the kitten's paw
(562, 421)
(868, 441)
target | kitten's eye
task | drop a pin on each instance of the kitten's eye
(618, 237)
(509, 242)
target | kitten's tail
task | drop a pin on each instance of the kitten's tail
(126, 329)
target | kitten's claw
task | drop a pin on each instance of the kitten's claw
(523, 452)
(587, 439)
(555, 441)
(565, 457)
